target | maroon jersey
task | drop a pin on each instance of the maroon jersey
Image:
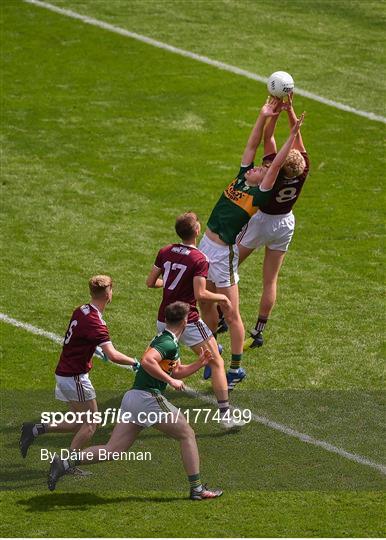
(285, 191)
(86, 330)
(180, 264)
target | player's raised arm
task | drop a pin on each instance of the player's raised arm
(269, 130)
(117, 357)
(277, 163)
(153, 280)
(151, 363)
(268, 110)
(292, 119)
(181, 371)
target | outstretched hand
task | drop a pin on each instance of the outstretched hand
(298, 124)
(270, 108)
(285, 105)
(205, 356)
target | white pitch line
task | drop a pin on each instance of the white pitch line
(50, 335)
(199, 58)
(282, 428)
(362, 460)
(32, 329)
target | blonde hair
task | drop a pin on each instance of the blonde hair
(294, 164)
(98, 285)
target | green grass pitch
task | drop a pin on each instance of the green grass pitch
(104, 141)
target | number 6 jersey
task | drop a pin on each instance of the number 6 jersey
(85, 332)
(179, 264)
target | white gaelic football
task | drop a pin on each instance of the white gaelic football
(280, 84)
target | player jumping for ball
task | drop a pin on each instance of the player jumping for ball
(86, 331)
(160, 366)
(184, 270)
(273, 227)
(237, 204)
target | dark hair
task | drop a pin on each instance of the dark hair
(176, 312)
(186, 225)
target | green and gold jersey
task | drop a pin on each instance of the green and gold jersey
(235, 207)
(167, 345)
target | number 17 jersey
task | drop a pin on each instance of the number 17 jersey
(180, 264)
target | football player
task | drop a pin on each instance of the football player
(146, 406)
(238, 203)
(184, 270)
(86, 331)
(273, 226)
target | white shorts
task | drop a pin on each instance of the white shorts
(273, 231)
(147, 408)
(74, 388)
(194, 333)
(223, 262)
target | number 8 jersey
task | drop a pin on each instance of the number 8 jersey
(179, 264)
(285, 191)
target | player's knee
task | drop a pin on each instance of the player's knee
(113, 447)
(187, 432)
(190, 433)
(217, 361)
(270, 284)
(233, 317)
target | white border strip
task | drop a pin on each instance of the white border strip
(286, 430)
(199, 58)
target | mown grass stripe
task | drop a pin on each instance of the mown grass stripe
(200, 58)
(286, 430)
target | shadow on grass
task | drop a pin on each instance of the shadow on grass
(18, 476)
(83, 501)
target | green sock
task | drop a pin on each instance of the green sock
(194, 481)
(236, 361)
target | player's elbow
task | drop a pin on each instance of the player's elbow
(200, 296)
(177, 374)
(200, 292)
(146, 363)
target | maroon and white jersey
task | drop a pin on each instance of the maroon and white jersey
(85, 332)
(285, 191)
(180, 264)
